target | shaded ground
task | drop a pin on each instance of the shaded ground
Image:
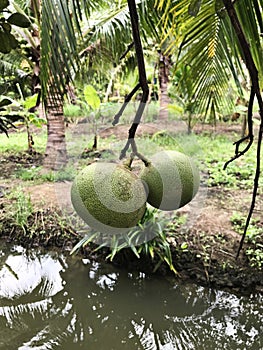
(211, 241)
(10, 163)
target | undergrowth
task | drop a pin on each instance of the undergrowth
(254, 251)
(150, 238)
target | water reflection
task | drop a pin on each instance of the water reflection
(51, 301)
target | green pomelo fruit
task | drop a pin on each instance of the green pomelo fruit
(171, 180)
(108, 197)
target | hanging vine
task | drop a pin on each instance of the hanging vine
(254, 92)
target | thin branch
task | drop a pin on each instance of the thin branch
(250, 135)
(142, 79)
(255, 91)
(126, 101)
(255, 190)
(127, 50)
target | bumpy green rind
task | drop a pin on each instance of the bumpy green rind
(108, 197)
(171, 180)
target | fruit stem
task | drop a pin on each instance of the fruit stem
(143, 159)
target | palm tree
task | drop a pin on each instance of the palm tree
(61, 36)
(53, 38)
(205, 42)
(58, 62)
(64, 42)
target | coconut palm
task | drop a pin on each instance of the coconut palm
(52, 40)
(68, 34)
(65, 33)
(68, 30)
(208, 45)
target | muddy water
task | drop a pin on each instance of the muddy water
(53, 301)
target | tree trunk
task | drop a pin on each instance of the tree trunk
(163, 75)
(56, 152)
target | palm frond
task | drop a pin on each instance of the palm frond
(59, 54)
(209, 46)
(9, 68)
(112, 28)
(205, 49)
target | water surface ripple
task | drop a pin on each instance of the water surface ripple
(53, 301)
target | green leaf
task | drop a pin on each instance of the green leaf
(3, 4)
(30, 101)
(135, 251)
(38, 122)
(4, 43)
(194, 7)
(59, 54)
(12, 41)
(184, 245)
(5, 102)
(19, 20)
(84, 241)
(6, 26)
(91, 97)
(151, 251)
(220, 8)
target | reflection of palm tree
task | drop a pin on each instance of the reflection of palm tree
(86, 310)
(66, 310)
(27, 284)
(95, 306)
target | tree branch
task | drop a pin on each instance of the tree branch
(255, 91)
(142, 79)
(126, 101)
(250, 135)
(126, 51)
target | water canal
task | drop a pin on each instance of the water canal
(54, 301)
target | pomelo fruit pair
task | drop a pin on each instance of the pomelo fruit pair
(112, 199)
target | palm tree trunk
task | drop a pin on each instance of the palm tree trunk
(56, 152)
(163, 76)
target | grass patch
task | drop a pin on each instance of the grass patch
(218, 150)
(254, 251)
(35, 174)
(17, 141)
(211, 152)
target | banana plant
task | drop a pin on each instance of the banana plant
(93, 103)
(30, 117)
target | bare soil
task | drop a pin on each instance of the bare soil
(210, 258)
